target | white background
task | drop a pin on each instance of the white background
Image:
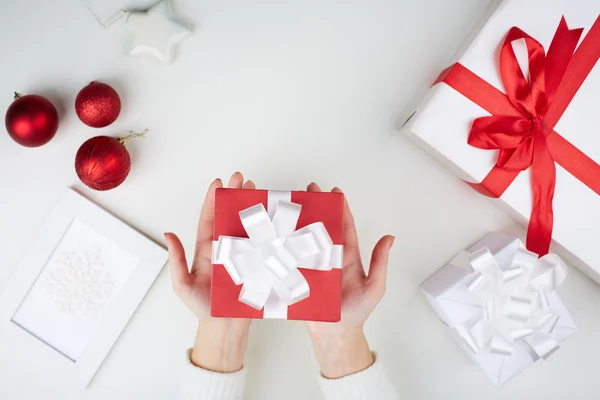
(288, 92)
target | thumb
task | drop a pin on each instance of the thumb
(379, 262)
(180, 274)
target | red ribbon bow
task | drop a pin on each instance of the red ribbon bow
(523, 119)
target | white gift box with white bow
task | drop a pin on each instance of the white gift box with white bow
(500, 302)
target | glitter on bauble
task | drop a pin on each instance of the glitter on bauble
(98, 105)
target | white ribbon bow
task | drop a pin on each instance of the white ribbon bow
(516, 307)
(267, 262)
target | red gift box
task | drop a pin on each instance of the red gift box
(324, 301)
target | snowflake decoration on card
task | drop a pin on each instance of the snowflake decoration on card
(78, 282)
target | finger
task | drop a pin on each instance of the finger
(313, 187)
(249, 185)
(236, 181)
(379, 262)
(351, 249)
(180, 274)
(207, 218)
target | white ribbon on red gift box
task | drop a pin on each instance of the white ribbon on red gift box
(267, 262)
(516, 306)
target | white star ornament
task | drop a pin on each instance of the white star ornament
(156, 33)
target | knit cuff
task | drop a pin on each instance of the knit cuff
(201, 384)
(370, 384)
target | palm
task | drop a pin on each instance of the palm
(197, 298)
(355, 308)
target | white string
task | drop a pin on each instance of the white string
(105, 23)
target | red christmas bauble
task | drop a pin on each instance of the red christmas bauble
(31, 120)
(98, 105)
(102, 162)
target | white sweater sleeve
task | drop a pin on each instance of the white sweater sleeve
(200, 384)
(370, 384)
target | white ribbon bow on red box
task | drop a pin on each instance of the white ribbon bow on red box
(267, 262)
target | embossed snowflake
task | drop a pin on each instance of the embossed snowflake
(78, 282)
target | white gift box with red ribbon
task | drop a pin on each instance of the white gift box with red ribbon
(474, 88)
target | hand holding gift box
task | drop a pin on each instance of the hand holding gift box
(315, 224)
(500, 301)
(290, 266)
(526, 116)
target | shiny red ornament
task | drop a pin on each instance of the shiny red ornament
(98, 105)
(31, 120)
(102, 162)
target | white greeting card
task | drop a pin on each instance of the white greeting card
(76, 289)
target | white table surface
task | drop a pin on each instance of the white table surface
(288, 92)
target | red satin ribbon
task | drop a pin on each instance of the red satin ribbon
(523, 120)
